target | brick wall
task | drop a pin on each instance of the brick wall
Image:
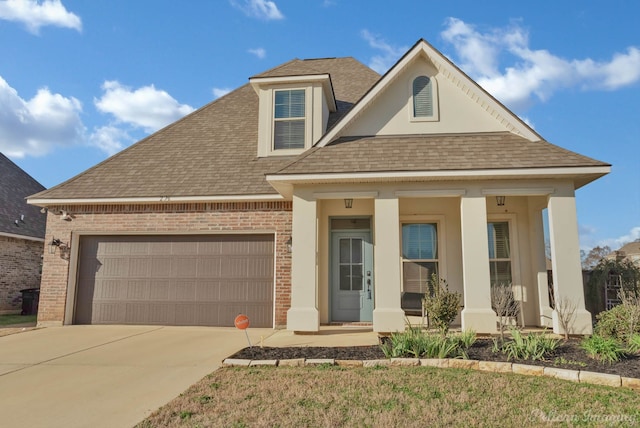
(20, 261)
(159, 219)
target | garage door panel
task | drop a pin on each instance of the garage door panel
(161, 267)
(161, 290)
(186, 266)
(175, 280)
(139, 267)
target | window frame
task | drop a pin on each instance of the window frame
(435, 117)
(441, 245)
(511, 220)
(289, 119)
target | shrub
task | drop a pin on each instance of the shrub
(617, 323)
(533, 346)
(505, 306)
(440, 304)
(605, 349)
(634, 343)
(417, 343)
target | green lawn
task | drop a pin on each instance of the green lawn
(333, 396)
(6, 320)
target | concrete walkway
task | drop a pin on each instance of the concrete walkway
(107, 376)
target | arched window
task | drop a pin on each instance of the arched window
(422, 97)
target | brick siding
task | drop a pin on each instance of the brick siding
(159, 219)
(20, 261)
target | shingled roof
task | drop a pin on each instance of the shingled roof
(212, 151)
(498, 150)
(15, 186)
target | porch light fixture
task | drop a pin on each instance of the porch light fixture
(348, 203)
(55, 244)
(500, 200)
(290, 244)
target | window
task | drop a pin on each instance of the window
(419, 255)
(422, 97)
(499, 253)
(289, 122)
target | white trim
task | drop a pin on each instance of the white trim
(524, 191)
(529, 172)
(26, 238)
(156, 199)
(430, 193)
(324, 79)
(343, 195)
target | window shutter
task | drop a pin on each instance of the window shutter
(422, 97)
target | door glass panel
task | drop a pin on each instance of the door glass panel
(356, 250)
(345, 253)
(356, 277)
(350, 223)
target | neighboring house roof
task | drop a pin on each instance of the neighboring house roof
(630, 251)
(15, 186)
(211, 151)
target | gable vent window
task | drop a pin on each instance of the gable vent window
(422, 97)
(289, 119)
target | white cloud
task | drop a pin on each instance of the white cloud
(390, 54)
(221, 92)
(34, 14)
(35, 126)
(262, 9)
(145, 107)
(587, 242)
(259, 52)
(110, 139)
(534, 74)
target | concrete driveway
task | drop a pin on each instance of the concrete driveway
(105, 376)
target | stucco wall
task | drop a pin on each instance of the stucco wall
(265, 217)
(19, 269)
(391, 113)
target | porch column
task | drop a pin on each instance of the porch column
(304, 315)
(388, 316)
(477, 314)
(539, 261)
(565, 259)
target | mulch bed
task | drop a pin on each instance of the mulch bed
(568, 355)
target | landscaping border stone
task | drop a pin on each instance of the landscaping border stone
(580, 376)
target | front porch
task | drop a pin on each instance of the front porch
(450, 224)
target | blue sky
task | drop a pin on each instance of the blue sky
(80, 80)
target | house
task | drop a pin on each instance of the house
(319, 192)
(22, 228)
(629, 251)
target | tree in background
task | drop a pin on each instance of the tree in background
(591, 259)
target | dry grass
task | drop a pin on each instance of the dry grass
(391, 397)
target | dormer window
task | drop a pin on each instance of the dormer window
(289, 119)
(293, 112)
(424, 102)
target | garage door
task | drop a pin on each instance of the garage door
(175, 280)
